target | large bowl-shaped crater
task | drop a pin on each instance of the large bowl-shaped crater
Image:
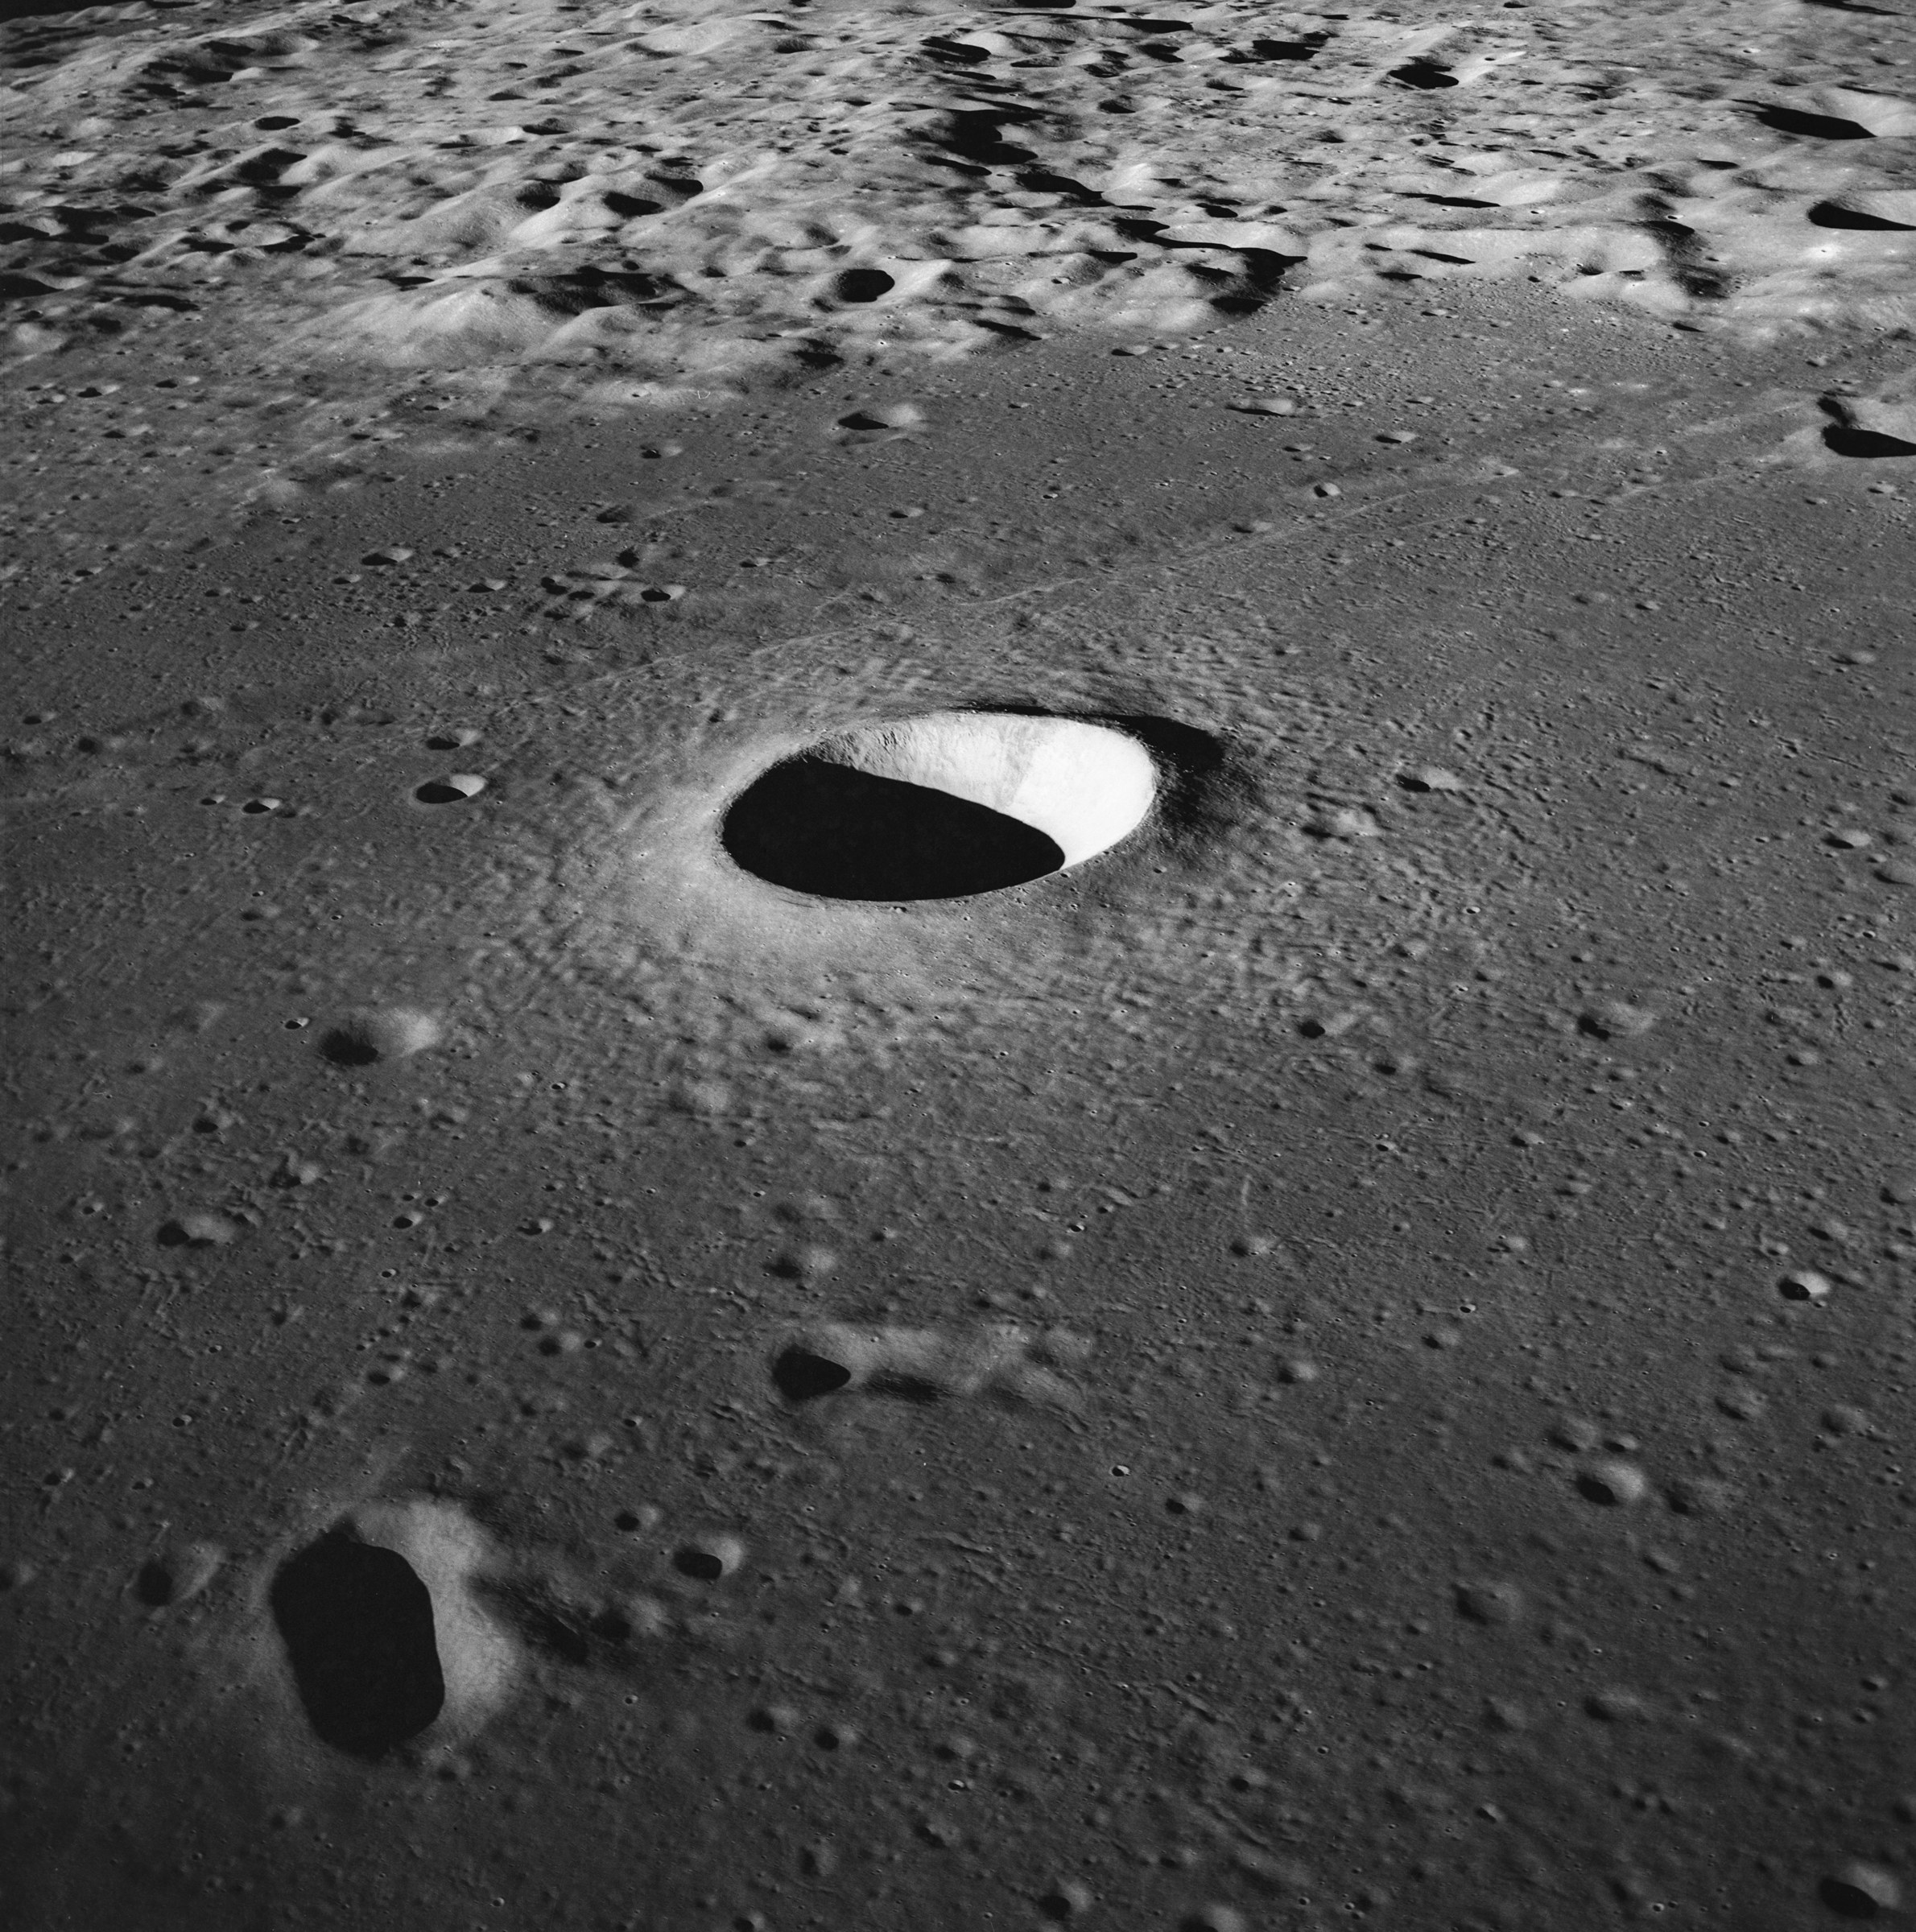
(941, 806)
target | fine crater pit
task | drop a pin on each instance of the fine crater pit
(944, 806)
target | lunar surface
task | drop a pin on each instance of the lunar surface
(960, 967)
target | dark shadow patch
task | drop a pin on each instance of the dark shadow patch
(1846, 441)
(1593, 1487)
(1703, 284)
(808, 359)
(1810, 127)
(976, 135)
(803, 1375)
(196, 1231)
(1245, 289)
(1265, 269)
(826, 829)
(1849, 1900)
(603, 284)
(348, 1047)
(702, 1565)
(1259, 52)
(591, 287)
(1832, 214)
(357, 1622)
(1421, 74)
(156, 298)
(263, 169)
(969, 170)
(155, 1586)
(612, 1626)
(965, 55)
(1040, 181)
(436, 792)
(862, 285)
(1673, 236)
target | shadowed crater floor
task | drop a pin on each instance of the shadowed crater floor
(358, 1624)
(940, 806)
(814, 826)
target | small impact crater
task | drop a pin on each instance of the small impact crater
(176, 1575)
(452, 790)
(803, 1374)
(358, 1624)
(1002, 1360)
(862, 285)
(372, 1035)
(941, 806)
(1424, 75)
(384, 1636)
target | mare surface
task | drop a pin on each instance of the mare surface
(1348, 1359)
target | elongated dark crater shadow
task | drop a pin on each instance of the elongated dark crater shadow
(1870, 444)
(358, 1624)
(347, 1046)
(840, 833)
(803, 1375)
(1421, 74)
(941, 806)
(1833, 214)
(1808, 126)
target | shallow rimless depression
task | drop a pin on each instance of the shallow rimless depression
(960, 968)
